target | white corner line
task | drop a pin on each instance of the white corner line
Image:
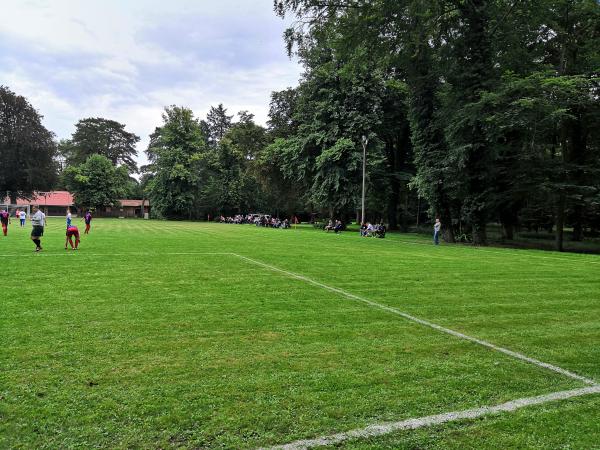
(427, 421)
(426, 323)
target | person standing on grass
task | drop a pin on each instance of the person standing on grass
(437, 226)
(22, 217)
(72, 232)
(69, 218)
(5, 220)
(38, 222)
(88, 221)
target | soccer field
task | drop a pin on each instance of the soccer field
(193, 335)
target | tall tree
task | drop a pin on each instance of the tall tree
(27, 149)
(102, 137)
(247, 136)
(96, 183)
(218, 122)
(281, 123)
(177, 154)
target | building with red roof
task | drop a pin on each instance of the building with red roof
(56, 203)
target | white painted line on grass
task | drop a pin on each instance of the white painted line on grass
(427, 421)
(83, 253)
(426, 323)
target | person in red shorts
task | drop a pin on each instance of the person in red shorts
(72, 231)
(5, 219)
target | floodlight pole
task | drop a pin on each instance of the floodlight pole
(365, 141)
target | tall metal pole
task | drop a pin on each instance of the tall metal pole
(365, 141)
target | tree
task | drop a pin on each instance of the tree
(27, 149)
(229, 187)
(177, 154)
(102, 137)
(281, 123)
(218, 122)
(247, 136)
(96, 183)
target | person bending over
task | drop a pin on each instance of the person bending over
(72, 232)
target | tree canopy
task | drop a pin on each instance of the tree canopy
(96, 183)
(500, 101)
(99, 136)
(27, 148)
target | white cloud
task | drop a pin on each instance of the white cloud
(127, 60)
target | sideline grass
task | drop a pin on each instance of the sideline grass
(132, 343)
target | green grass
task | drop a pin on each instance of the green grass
(141, 341)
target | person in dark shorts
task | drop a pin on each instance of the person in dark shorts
(88, 221)
(38, 222)
(72, 231)
(5, 220)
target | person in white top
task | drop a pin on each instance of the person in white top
(38, 222)
(437, 226)
(22, 217)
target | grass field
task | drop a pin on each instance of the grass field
(165, 335)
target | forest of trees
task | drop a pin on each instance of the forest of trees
(476, 111)
(487, 110)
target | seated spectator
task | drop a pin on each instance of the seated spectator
(338, 226)
(370, 229)
(380, 231)
(329, 227)
(363, 229)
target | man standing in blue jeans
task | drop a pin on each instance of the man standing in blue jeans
(436, 231)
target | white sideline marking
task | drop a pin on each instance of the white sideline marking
(83, 253)
(457, 334)
(411, 424)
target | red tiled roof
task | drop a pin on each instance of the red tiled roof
(53, 198)
(65, 198)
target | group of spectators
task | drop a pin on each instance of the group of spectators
(336, 226)
(260, 220)
(369, 230)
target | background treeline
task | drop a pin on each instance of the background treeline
(488, 111)
(476, 111)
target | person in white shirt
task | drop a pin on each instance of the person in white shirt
(38, 222)
(370, 229)
(22, 217)
(436, 231)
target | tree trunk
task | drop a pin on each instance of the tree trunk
(508, 219)
(577, 223)
(509, 231)
(479, 233)
(392, 209)
(560, 221)
(446, 220)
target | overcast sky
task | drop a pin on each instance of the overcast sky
(128, 59)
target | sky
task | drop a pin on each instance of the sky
(126, 60)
